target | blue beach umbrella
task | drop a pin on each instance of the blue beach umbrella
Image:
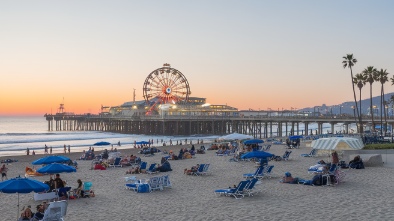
(295, 137)
(56, 168)
(254, 141)
(257, 154)
(22, 185)
(51, 159)
(101, 143)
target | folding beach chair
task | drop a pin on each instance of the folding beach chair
(311, 154)
(286, 155)
(258, 173)
(237, 192)
(200, 170)
(249, 188)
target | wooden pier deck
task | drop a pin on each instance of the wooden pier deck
(261, 127)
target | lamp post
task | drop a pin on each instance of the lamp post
(354, 112)
(385, 119)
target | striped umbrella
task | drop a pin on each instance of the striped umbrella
(338, 143)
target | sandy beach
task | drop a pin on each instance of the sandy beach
(365, 195)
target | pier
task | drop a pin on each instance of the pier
(259, 127)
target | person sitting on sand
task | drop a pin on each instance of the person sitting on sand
(356, 163)
(287, 178)
(125, 162)
(39, 215)
(27, 214)
(134, 170)
(79, 190)
(58, 182)
(192, 170)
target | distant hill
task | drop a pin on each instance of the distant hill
(346, 107)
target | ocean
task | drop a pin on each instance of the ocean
(19, 133)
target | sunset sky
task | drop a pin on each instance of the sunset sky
(246, 54)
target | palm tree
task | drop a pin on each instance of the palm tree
(359, 80)
(350, 61)
(382, 77)
(370, 75)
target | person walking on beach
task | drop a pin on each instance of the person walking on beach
(50, 150)
(33, 153)
(46, 149)
(69, 149)
(65, 149)
(27, 151)
(4, 172)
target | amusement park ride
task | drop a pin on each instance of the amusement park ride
(166, 91)
(165, 86)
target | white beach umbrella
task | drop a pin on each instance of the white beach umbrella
(235, 136)
(338, 143)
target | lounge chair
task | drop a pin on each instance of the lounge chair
(268, 171)
(116, 163)
(87, 189)
(249, 188)
(143, 166)
(330, 174)
(133, 185)
(286, 155)
(233, 151)
(258, 173)
(237, 192)
(311, 154)
(151, 169)
(200, 170)
(143, 187)
(222, 152)
(267, 148)
(56, 211)
(205, 170)
(154, 183)
(166, 181)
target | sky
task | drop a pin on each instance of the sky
(247, 54)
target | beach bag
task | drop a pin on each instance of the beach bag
(143, 188)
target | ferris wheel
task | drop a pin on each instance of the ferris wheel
(166, 85)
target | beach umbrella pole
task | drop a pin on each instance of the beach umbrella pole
(17, 211)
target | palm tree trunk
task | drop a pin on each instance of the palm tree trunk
(371, 108)
(354, 93)
(359, 118)
(385, 115)
(381, 115)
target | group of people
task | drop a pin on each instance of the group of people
(28, 214)
(48, 150)
(165, 166)
(184, 153)
(88, 155)
(324, 169)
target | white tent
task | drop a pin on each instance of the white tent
(235, 136)
(338, 143)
